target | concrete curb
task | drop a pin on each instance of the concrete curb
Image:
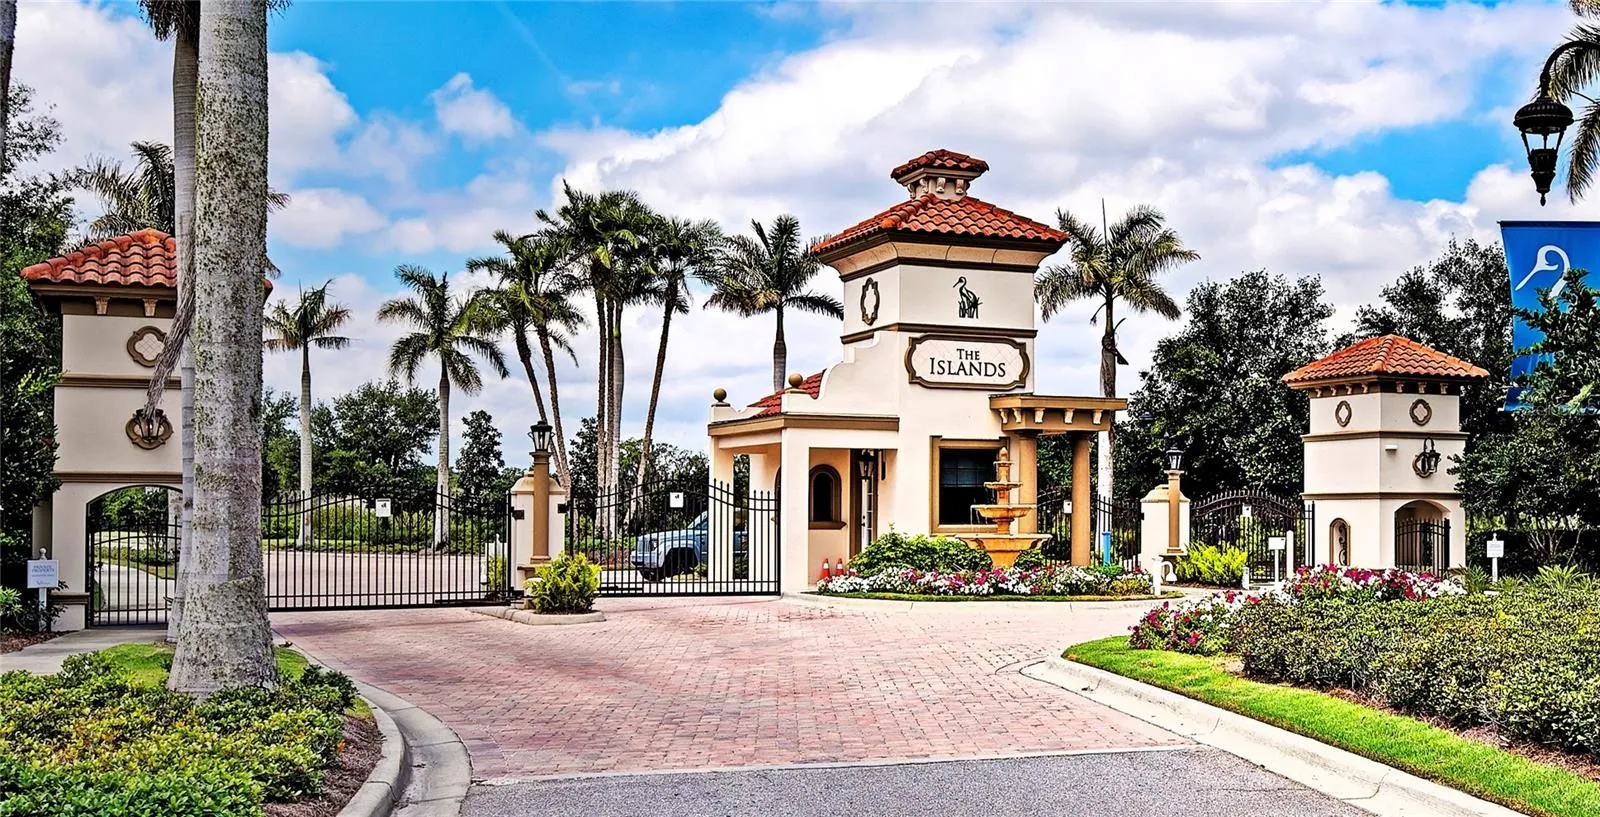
(902, 605)
(539, 619)
(388, 781)
(438, 768)
(1363, 783)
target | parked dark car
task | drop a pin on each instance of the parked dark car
(663, 554)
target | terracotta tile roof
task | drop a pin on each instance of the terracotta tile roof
(941, 160)
(142, 258)
(772, 404)
(931, 215)
(1390, 355)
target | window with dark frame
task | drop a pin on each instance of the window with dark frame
(962, 473)
(825, 488)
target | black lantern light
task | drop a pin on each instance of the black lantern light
(1427, 461)
(1541, 119)
(1174, 454)
(542, 435)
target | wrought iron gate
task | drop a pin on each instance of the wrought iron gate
(1246, 519)
(133, 536)
(1422, 546)
(671, 539)
(1125, 521)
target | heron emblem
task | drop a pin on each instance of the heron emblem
(967, 306)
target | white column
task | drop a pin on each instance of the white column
(794, 543)
(720, 516)
(763, 523)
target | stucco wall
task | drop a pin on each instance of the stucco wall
(97, 344)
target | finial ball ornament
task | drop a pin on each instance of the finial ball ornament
(720, 395)
(795, 380)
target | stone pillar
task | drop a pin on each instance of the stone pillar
(720, 515)
(1025, 469)
(523, 533)
(1156, 530)
(1082, 502)
(794, 537)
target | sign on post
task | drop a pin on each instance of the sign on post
(1276, 544)
(43, 574)
(382, 508)
(1495, 548)
(676, 499)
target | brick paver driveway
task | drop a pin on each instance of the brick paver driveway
(692, 684)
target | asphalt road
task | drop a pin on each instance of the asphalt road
(1164, 783)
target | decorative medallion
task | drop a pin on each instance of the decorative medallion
(148, 433)
(145, 345)
(1341, 413)
(967, 302)
(1421, 412)
(869, 301)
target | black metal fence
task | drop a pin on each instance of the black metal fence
(675, 538)
(1124, 521)
(1247, 519)
(1422, 546)
(133, 536)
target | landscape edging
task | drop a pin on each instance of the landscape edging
(822, 600)
(389, 778)
(1359, 781)
(539, 619)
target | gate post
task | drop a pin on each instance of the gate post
(530, 516)
(1156, 527)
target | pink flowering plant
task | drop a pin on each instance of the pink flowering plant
(1356, 584)
(1049, 580)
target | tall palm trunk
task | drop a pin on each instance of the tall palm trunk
(602, 416)
(1108, 388)
(780, 354)
(8, 42)
(305, 444)
(224, 639)
(185, 76)
(555, 407)
(441, 507)
(519, 334)
(618, 379)
(655, 397)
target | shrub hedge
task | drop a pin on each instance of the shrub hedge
(941, 554)
(568, 584)
(89, 741)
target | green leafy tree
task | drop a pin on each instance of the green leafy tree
(35, 215)
(280, 445)
(1539, 478)
(1460, 304)
(480, 469)
(1117, 265)
(371, 441)
(452, 330)
(771, 273)
(1217, 384)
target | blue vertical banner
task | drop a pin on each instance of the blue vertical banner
(1539, 254)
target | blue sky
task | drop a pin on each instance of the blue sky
(1345, 140)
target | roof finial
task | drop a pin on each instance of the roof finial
(942, 173)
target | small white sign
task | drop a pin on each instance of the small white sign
(43, 573)
(1495, 547)
(382, 509)
(675, 500)
(1066, 506)
(1275, 542)
(1245, 512)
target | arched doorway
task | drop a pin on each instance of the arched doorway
(132, 541)
(1422, 537)
(1339, 543)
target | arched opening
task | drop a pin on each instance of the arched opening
(1339, 543)
(826, 508)
(133, 536)
(1422, 537)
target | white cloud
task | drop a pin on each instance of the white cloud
(322, 217)
(473, 113)
(308, 115)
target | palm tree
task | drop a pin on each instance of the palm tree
(605, 233)
(146, 196)
(312, 322)
(224, 639)
(1120, 264)
(452, 330)
(679, 250)
(536, 294)
(1578, 66)
(8, 41)
(769, 273)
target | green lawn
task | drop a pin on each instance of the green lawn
(134, 558)
(148, 664)
(1404, 743)
(916, 597)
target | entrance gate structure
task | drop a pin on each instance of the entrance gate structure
(679, 539)
(1247, 519)
(1124, 520)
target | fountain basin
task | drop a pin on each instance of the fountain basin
(1003, 548)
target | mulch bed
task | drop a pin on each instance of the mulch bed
(11, 642)
(363, 746)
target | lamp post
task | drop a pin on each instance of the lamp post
(1174, 455)
(1543, 118)
(542, 435)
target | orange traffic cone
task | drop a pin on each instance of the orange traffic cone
(825, 574)
(838, 567)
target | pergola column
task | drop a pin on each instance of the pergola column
(1082, 501)
(1025, 468)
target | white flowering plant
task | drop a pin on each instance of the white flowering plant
(1048, 580)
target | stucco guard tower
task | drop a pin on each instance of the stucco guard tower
(116, 301)
(936, 377)
(1385, 425)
